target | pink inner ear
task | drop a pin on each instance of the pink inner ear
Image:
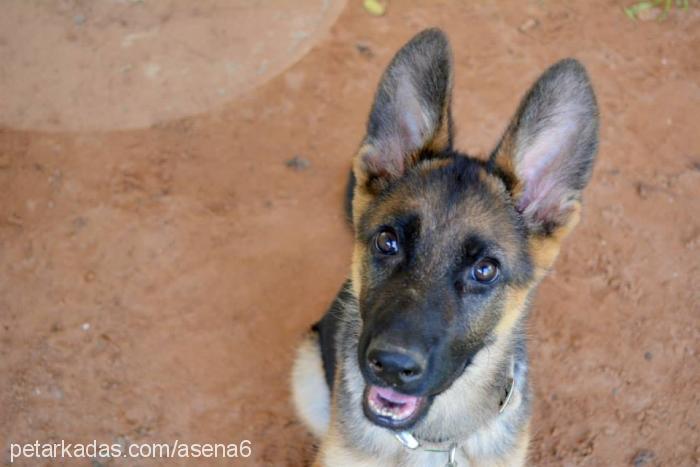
(414, 124)
(406, 133)
(542, 168)
(550, 203)
(381, 161)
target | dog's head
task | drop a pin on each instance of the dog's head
(447, 247)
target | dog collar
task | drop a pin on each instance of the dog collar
(409, 441)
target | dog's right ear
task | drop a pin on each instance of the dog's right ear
(548, 150)
(411, 111)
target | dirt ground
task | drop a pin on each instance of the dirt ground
(154, 281)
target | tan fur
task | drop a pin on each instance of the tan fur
(505, 162)
(361, 198)
(356, 267)
(335, 453)
(545, 249)
(433, 164)
(515, 458)
(515, 304)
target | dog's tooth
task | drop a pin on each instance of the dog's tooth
(380, 409)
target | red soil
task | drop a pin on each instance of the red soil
(155, 281)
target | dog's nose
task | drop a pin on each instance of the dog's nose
(396, 366)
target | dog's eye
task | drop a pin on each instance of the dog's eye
(386, 242)
(485, 270)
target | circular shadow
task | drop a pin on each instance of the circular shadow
(104, 65)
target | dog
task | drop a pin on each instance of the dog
(421, 359)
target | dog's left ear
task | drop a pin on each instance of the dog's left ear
(411, 111)
(548, 150)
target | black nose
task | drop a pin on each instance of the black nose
(396, 366)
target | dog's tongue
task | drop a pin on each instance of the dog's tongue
(390, 395)
(390, 403)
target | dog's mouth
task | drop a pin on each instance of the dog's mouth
(391, 409)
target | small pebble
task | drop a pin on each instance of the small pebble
(643, 457)
(532, 23)
(298, 163)
(642, 190)
(79, 222)
(364, 49)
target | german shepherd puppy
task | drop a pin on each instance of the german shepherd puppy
(421, 359)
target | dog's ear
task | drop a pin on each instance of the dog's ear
(548, 150)
(411, 110)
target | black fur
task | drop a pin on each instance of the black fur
(349, 194)
(327, 328)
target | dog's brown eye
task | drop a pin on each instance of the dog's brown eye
(485, 270)
(386, 242)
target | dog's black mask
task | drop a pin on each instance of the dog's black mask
(441, 250)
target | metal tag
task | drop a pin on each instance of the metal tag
(407, 439)
(451, 456)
